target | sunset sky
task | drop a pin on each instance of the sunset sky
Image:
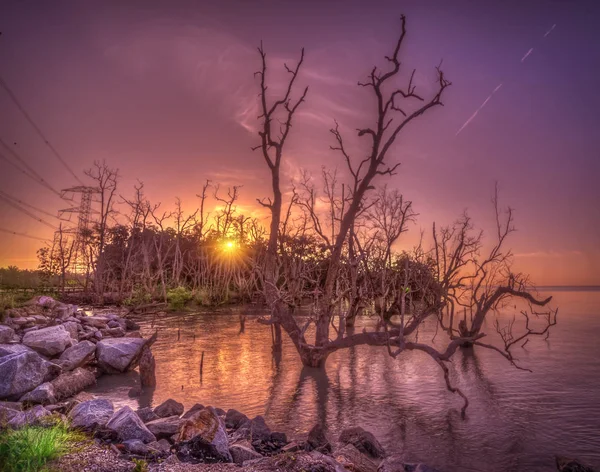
(165, 91)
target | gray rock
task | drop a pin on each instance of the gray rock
(362, 440)
(114, 324)
(193, 409)
(205, 435)
(317, 439)
(241, 453)
(68, 384)
(117, 332)
(352, 459)
(99, 322)
(7, 349)
(127, 425)
(565, 464)
(117, 355)
(92, 414)
(77, 355)
(22, 372)
(49, 341)
(6, 415)
(147, 414)
(31, 417)
(255, 430)
(165, 427)
(41, 395)
(137, 447)
(169, 408)
(73, 329)
(6, 334)
(12, 405)
(234, 419)
(162, 445)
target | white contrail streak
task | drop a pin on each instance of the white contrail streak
(472, 117)
(550, 30)
(526, 55)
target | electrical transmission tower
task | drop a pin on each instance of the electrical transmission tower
(80, 233)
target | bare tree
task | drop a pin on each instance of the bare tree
(106, 180)
(272, 144)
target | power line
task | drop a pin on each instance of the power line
(37, 129)
(16, 233)
(30, 172)
(22, 203)
(27, 212)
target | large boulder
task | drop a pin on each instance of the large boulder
(41, 395)
(127, 425)
(8, 349)
(49, 341)
(77, 355)
(196, 407)
(169, 408)
(204, 429)
(22, 372)
(234, 419)
(116, 355)
(165, 427)
(362, 440)
(68, 384)
(92, 414)
(6, 334)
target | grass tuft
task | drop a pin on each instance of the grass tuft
(30, 448)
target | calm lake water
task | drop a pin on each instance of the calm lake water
(516, 421)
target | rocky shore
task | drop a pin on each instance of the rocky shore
(50, 352)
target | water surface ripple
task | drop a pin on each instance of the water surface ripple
(516, 421)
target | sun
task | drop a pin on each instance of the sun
(229, 246)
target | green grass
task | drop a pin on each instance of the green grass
(30, 448)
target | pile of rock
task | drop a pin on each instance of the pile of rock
(50, 351)
(167, 435)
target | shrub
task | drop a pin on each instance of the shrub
(7, 300)
(30, 448)
(178, 297)
(139, 296)
(140, 465)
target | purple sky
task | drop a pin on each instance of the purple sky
(165, 92)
